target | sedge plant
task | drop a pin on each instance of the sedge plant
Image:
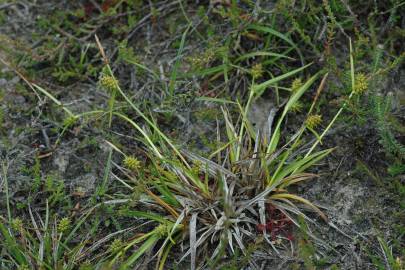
(213, 205)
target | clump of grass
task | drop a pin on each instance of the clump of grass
(214, 205)
(385, 259)
(39, 245)
(224, 199)
(211, 206)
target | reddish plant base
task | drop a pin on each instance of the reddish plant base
(278, 224)
(89, 8)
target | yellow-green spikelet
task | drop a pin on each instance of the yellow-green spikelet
(64, 224)
(116, 245)
(257, 71)
(132, 163)
(361, 84)
(108, 82)
(313, 121)
(296, 84)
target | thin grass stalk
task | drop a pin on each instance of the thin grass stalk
(111, 103)
(137, 110)
(283, 160)
(173, 75)
(276, 134)
(4, 170)
(151, 144)
(242, 125)
(343, 106)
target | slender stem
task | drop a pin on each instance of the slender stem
(111, 107)
(282, 162)
(138, 111)
(343, 106)
(251, 94)
(4, 168)
(328, 127)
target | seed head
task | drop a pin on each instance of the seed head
(108, 82)
(313, 121)
(115, 246)
(64, 224)
(16, 223)
(360, 84)
(257, 71)
(132, 163)
(199, 61)
(162, 230)
(297, 107)
(398, 262)
(196, 168)
(70, 120)
(296, 84)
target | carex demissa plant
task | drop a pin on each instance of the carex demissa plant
(217, 205)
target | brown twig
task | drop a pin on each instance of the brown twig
(101, 49)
